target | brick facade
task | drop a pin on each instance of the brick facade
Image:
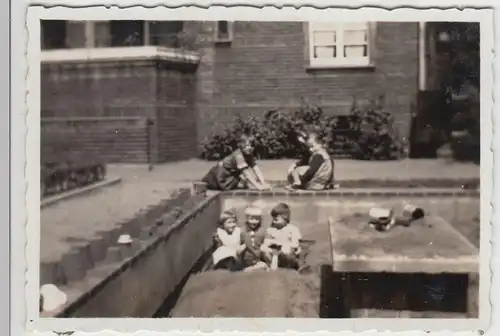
(134, 111)
(163, 110)
(266, 67)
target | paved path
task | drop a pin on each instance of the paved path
(344, 169)
(71, 221)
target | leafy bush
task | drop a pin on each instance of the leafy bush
(63, 169)
(364, 134)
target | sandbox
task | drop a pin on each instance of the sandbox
(425, 270)
(429, 269)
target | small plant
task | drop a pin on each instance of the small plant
(375, 138)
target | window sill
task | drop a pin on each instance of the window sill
(119, 54)
(313, 67)
(223, 42)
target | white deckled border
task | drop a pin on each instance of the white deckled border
(30, 254)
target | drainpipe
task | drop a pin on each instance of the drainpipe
(422, 66)
(149, 142)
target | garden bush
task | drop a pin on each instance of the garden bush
(63, 170)
(363, 134)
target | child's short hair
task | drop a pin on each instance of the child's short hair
(317, 137)
(246, 139)
(254, 211)
(283, 210)
(226, 215)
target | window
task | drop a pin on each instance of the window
(53, 34)
(223, 32)
(165, 33)
(340, 44)
(126, 33)
(61, 34)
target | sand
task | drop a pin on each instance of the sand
(281, 293)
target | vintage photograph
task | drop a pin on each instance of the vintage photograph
(237, 168)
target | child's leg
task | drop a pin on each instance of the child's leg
(288, 260)
(295, 176)
(258, 266)
(242, 182)
(211, 179)
(266, 257)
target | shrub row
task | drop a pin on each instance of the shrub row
(62, 171)
(366, 133)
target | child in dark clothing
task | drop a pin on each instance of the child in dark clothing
(237, 170)
(314, 171)
(253, 237)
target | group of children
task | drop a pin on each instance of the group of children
(239, 170)
(255, 247)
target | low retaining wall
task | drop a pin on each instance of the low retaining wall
(134, 280)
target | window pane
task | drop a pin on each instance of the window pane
(75, 34)
(355, 51)
(53, 34)
(324, 38)
(102, 31)
(165, 33)
(127, 33)
(223, 30)
(325, 52)
(355, 37)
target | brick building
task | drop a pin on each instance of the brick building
(139, 91)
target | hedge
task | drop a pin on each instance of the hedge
(365, 133)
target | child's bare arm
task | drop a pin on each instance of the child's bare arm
(251, 179)
(217, 242)
(259, 174)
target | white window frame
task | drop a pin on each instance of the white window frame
(339, 62)
(230, 32)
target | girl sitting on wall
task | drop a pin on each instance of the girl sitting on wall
(314, 171)
(238, 170)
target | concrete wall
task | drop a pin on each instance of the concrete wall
(137, 287)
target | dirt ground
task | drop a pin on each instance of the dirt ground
(282, 293)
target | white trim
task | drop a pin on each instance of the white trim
(341, 62)
(89, 34)
(422, 64)
(147, 33)
(117, 54)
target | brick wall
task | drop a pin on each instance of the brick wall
(94, 98)
(176, 115)
(265, 67)
(115, 139)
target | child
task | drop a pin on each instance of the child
(228, 244)
(253, 236)
(314, 171)
(282, 238)
(237, 170)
